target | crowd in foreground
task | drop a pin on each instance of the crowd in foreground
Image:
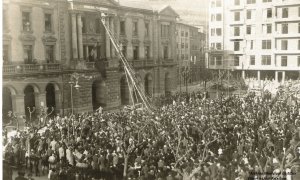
(187, 137)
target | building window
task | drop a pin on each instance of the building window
(283, 60)
(298, 27)
(212, 32)
(186, 34)
(218, 3)
(251, 1)
(48, 22)
(182, 56)
(219, 60)
(212, 61)
(269, 13)
(248, 29)
(298, 61)
(285, 12)
(49, 56)
(147, 29)
(165, 30)
(124, 51)
(182, 33)
(83, 24)
(5, 51)
(236, 60)
(267, 1)
(285, 28)
(236, 31)
(252, 60)
(284, 45)
(265, 60)
(28, 54)
(186, 45)
(249, 14)
(135, 28)
(299, 44)
(182, 45)
(266, 44)
(236, 45)
(237, 16)
(298, 11)
(251, 44)
(147, 52)
(269, 28)
(212, 18)
(219, 32)
(26, 21)
(122, 27)
(98, 26)
(237, 2)
(218, 46)
(166, 52)
(135, 52)
(219, 17)
(5, 20)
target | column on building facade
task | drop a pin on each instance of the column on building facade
(79, 31)
(40, 99)
(18, 104)
(258, 75)
(87, 52)
(74, 36)
(107, 39)
(243, 74)
(173, 41)
(276, 76)
(283, 76)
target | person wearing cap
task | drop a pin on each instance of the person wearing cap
(21, 175)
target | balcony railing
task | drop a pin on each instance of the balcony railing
(168, 61)
(31, 68)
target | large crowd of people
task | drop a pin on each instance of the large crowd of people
(189, 136)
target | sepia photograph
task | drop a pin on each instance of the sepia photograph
(150, 90)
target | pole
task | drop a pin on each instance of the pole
(72, 105)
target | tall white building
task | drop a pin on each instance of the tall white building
(255, 38)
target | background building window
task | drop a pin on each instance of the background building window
(83, 24)
(251, 44)
(298, 57)
(146, 29)
(299, 44)
(269, 13)
(219, 60)
(285, 28)
(219, 32)
(28, 53)
(266, 44)
(237, 2)
(285, 12)
(251, 1)
(122, 27)
(236, 46)
(249, 14)
(218, 46)
(135, 52)
(48, 22)
(252, 60)
(284, 45)
(218, 3)
(269, 28)
(147, 52)
(98, 26)
(49, 54)
(219, 17)
(166, 52)
(283, 60)
(236, 31)
(237, 16)
(135, 28)
(248, 29)
(26, 21)
(5, 55)
(265, 60)
(236, 60)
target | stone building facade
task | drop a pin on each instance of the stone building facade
(51, 49)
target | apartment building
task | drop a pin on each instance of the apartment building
(51, 49)
(255, 38)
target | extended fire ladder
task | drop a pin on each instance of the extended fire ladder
(135, 88)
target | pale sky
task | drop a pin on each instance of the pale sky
(192, 11)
